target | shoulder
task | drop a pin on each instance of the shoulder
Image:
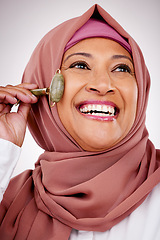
(16, 185)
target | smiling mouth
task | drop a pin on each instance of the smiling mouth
(99, 111)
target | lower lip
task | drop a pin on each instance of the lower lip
(99, 118)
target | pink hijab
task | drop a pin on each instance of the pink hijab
(71, 188)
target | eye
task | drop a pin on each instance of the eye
(122, 68)
(80, 65)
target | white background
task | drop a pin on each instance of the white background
(24, 22)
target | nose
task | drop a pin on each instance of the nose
(101, 84)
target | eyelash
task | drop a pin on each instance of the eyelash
(123, 67)
(84, 66)
(80, 64)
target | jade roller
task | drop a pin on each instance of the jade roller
(55, 91)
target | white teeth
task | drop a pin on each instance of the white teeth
(89, 107)
(104, 108)
(98, 110)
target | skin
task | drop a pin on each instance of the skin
(100, 77)
(101, 71)
(13, 124)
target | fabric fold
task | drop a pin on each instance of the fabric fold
(71, 188)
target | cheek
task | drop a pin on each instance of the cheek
(66, 103)
(133, 93)
(73, 85)
(130, 95)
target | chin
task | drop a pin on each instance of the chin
(97, 146)
(101, 141)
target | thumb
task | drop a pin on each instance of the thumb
(24, 109)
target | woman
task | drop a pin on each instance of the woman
(99, 175)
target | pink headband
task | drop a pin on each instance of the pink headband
(97, 28)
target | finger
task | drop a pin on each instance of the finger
(25, 88)
(24, 85)
(4, 109)
(6, 97)
(24, 110)
(27, 85)
(9, 93)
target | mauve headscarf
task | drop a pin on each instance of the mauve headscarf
(97, 28)
(71, 188)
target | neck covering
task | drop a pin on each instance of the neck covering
(71, 188)
(97, 28)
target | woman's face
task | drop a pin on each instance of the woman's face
(98, 107)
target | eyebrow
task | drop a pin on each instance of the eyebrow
(78, 53)
(122, 56)
(90, 56)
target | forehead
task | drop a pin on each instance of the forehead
(97, 45)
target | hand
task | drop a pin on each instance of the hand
(13, 124)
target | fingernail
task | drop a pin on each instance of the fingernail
(33, 96)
